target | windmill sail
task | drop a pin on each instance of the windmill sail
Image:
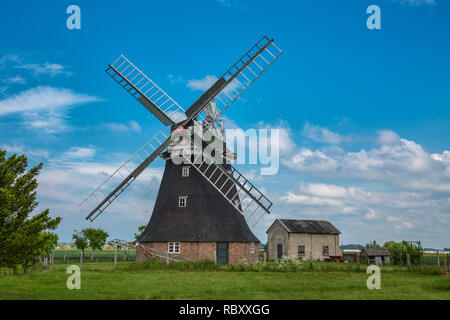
(237, 78)
(110, 189)
(229, 182)
(144, 90)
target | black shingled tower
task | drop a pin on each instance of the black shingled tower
(206, 217)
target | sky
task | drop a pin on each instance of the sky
(363, 114)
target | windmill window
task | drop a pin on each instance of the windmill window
(174, 247)
(185, 171)
(182, 201)
(301, 250)
(252, 247)
(325, 250)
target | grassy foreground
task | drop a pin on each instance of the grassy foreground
(129, 281)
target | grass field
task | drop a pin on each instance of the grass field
(133, 280)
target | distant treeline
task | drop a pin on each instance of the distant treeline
(352, 246)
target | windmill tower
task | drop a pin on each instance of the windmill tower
(203, 203)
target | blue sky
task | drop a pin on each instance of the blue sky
(364, 113)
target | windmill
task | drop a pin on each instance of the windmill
(193, 207)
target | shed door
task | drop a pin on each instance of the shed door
(222, 252)
(279, 251)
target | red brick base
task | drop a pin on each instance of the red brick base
(237, 251)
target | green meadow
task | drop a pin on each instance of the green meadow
(204, 280)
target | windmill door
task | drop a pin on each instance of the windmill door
(279, 251)
(222, 252)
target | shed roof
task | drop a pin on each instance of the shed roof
(375, 252)
(308, 226)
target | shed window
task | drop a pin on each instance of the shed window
(185, 171)
(252, 247)
(174, 247)
(301, 250)
(182, 201)
(325, 250)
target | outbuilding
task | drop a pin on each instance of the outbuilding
(316, 239)
(376, 255)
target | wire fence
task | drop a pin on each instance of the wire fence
(105, 255)
(432, 259)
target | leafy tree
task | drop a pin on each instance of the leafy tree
(138, 235)
(398, 251)
(21, 236)
(372, 244)
(50, 241)
(96, 237)
(80, 241)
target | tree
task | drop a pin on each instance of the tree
(138, 235)
(80, 241)
(372, 244)
(21, 236)
(96, 237)
(398, 251)
(50, 241)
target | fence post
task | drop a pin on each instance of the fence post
(438, 260)
(115, 257)
(215, 257)
(81, 259)
(357, 261)
(408, 261)
(265, 258)
(52, 258)
(167, 258)
(65, 255)
(445, 263)
(125, 254)
(310, 260)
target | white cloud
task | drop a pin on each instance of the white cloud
(79, 153)
(43, 98)
(52, 69)
(202, 84)
(20, 149)
(7, 58)
(123, 127)
(394, 190)
(366, 212)
(173, 80)
(321, 134)
(44, 108)
(416, 2)
(387, 137)
(14, 80)
(63, 184)
(405, 164)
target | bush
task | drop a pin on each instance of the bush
(289, 263)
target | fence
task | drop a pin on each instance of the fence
(105, 255)
(432, 259)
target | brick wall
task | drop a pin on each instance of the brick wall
(237, 251)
